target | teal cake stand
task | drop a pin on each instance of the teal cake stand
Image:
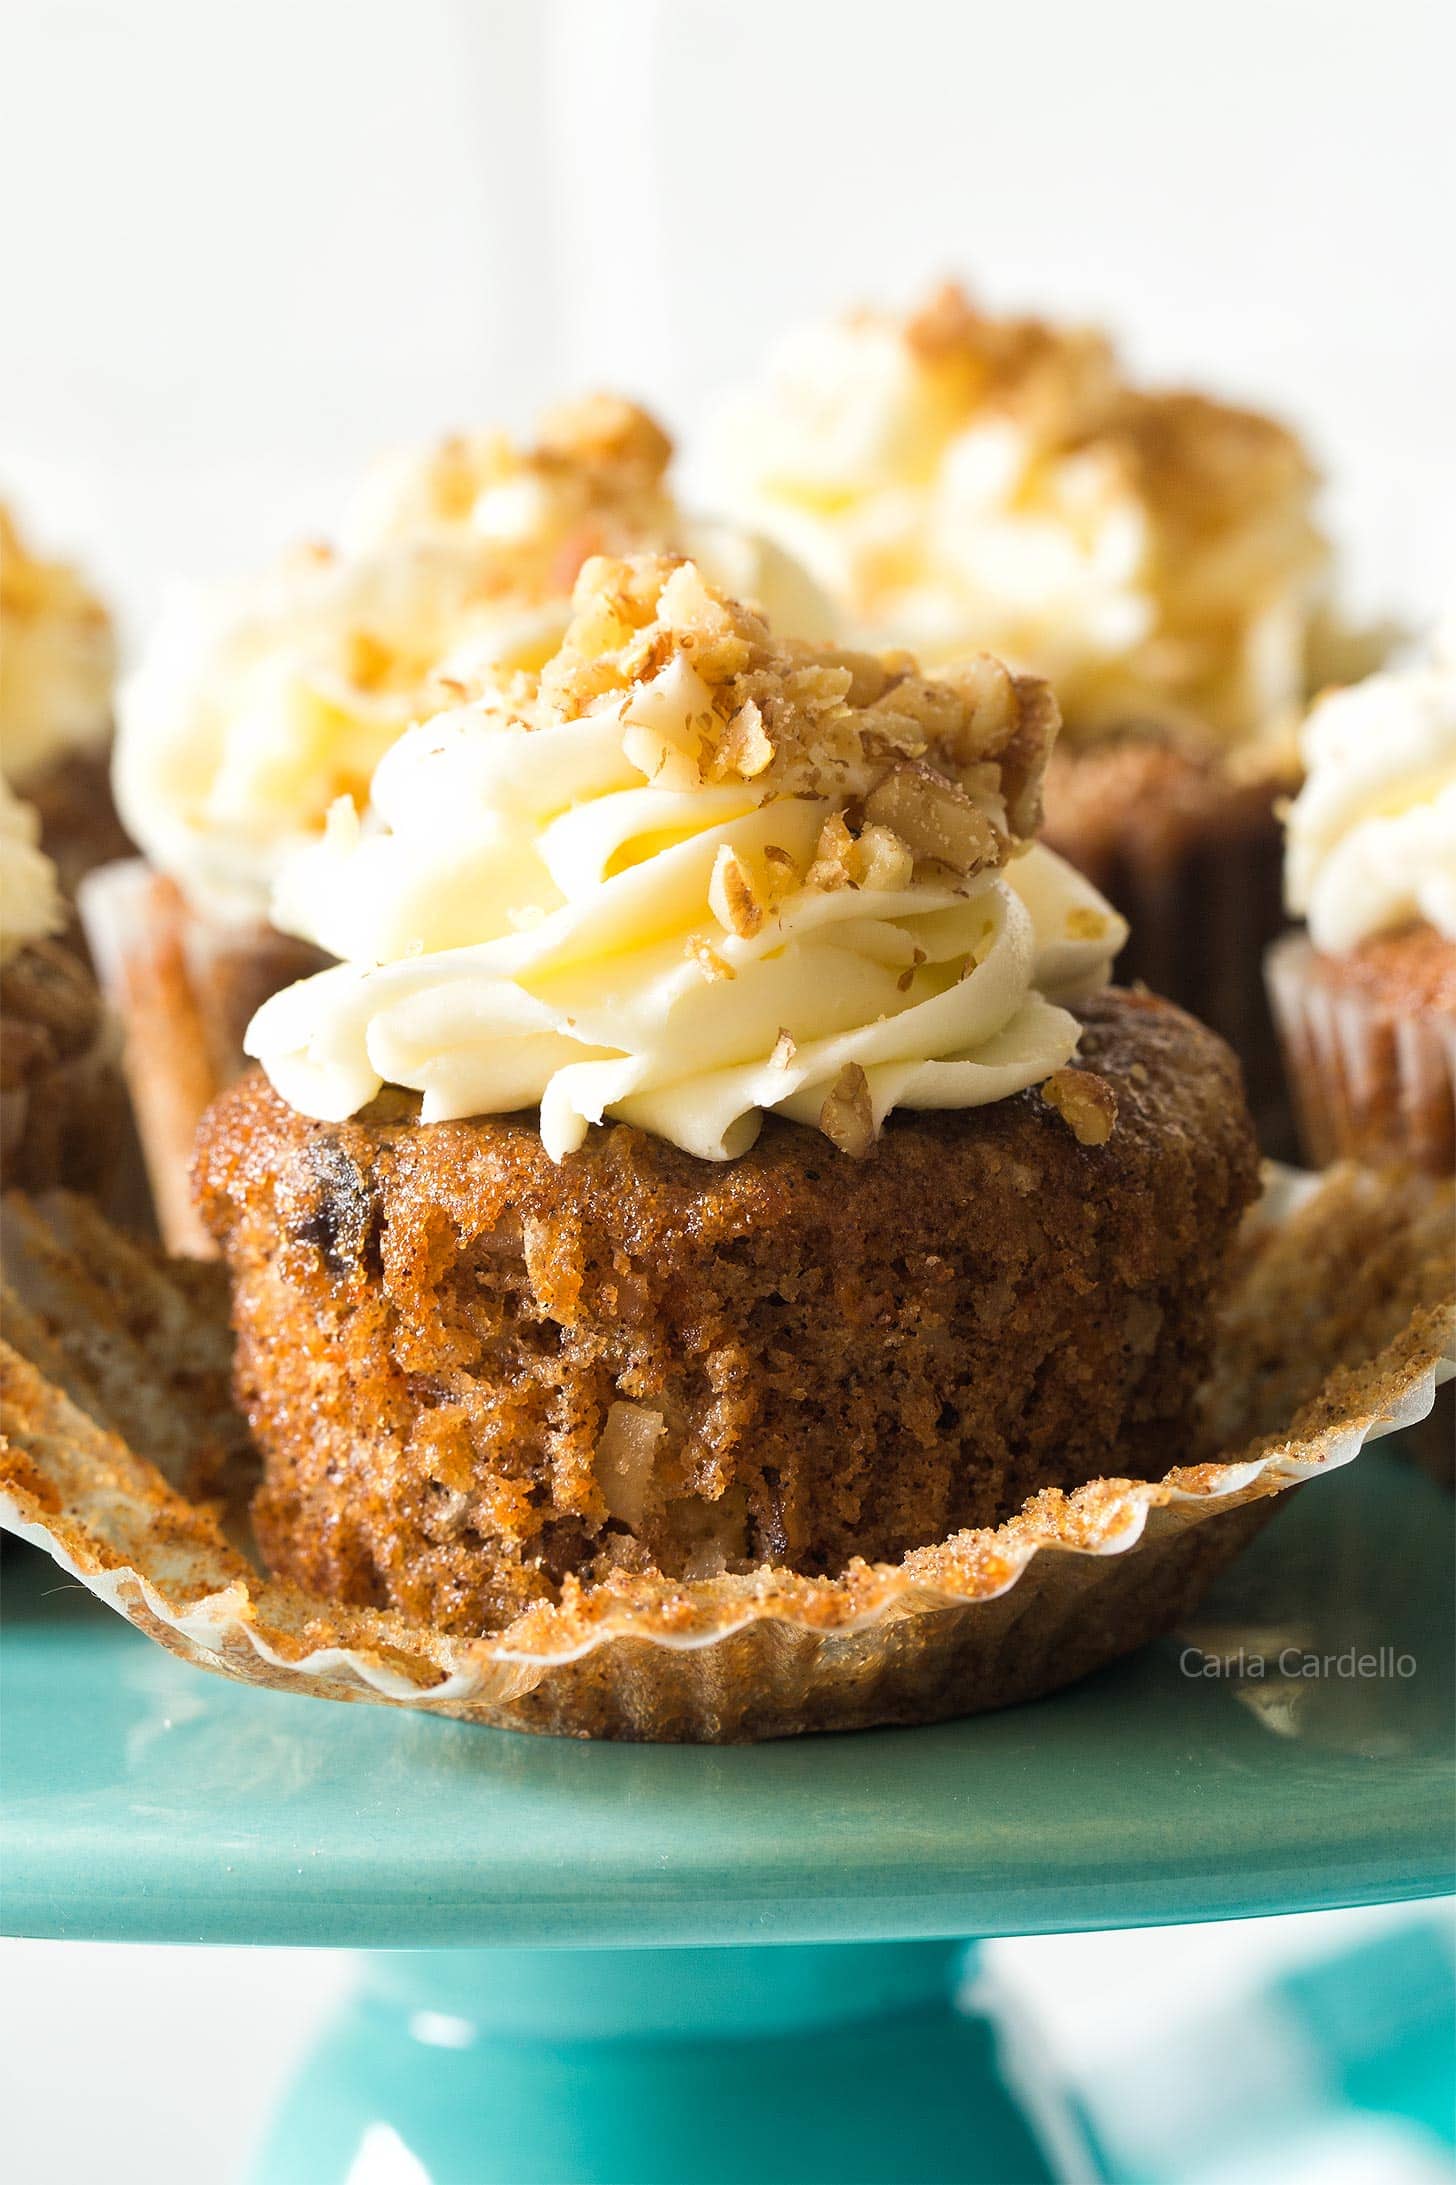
(639, 1964)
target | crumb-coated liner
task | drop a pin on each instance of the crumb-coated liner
(184, 987)
(1367, 1086)
(121, 1457)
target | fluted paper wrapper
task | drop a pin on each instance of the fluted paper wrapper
(123, 1459)
(1367, 1086)
(1203, 895)
(184, 988)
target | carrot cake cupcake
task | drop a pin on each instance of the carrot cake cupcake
(958, 480)
(61, 1105)
(718, 1145)
(1366, 997)
(57, 667)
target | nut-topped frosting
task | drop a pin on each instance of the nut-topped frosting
(687, 872)
(57, 660)
(955, 480)
(258, 705)
(1372, 834)
(30, 897)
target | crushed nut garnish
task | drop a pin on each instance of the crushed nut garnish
(833, 862)
(784, 1051)
(1086, 1103)
(709, 962)
(732, 897)
(907, 977)
(743, 748)
(947, 768)
(934, 817)
(847, 1116)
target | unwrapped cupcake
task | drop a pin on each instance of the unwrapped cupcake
(958, 480)
(57, 667)
(1366, 997)
(718, 1149)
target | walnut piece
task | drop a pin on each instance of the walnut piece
(950, 768)
(847, 1117)
(1086, 1103)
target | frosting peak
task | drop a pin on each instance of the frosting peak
(1372, 834)
(258, 705)
(687, 872)
(955, 479)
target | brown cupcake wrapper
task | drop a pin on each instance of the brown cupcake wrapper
(122, 1461)
(184, 987)
(1203, 897)
(1367, 1086)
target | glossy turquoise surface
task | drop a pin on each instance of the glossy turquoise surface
(144, 1800)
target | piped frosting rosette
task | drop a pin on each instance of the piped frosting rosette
(260, 703)
(957, 478)
(1372, 834)
(689, 874)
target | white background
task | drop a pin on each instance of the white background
(246, 246)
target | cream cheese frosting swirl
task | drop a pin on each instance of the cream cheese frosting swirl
(693, 875)
(955, 479)
(258, 705)
(30, 896)
(57, 661)
(1371, 844)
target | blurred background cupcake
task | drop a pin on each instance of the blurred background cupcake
(62, 1109)
(957, 479)
(1366, 997)
(57, 668)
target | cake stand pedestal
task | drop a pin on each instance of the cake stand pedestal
(633, 1963)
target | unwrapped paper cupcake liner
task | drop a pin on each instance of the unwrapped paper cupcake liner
(1367, 1086)
(184, 987)
(123, 1459)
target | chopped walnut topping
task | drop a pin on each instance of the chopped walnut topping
(881, 860)
(833, 862)
(950, 769)
(938, 821)
(732, 896)
(1230, 567)
(743, 748)
(709, 962)
(784, 1051)
(1086, 1103)
(594, 482)
(907, 977)
(606, 430)
(847, 1116)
